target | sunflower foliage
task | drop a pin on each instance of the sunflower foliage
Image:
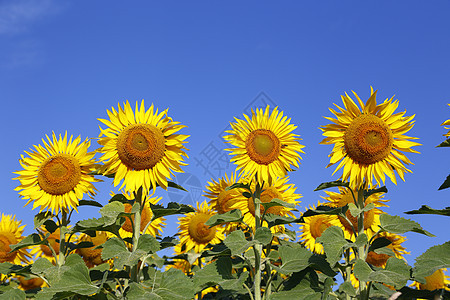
(249, 241)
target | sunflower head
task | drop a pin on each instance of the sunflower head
(368, 142)
(436, 281)
(142, 148)
(30, 283)
(264, 145)
(380, 259)
(91, 256)
(56, 176)
(193, 232)
(11, 233)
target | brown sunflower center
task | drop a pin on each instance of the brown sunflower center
(146, 216)
(7, 239)
(266, 196)
(59, 174)
(200, 232)
(141, 146)
(368, 139)
(224, 201)
(317, 225)
(263, 146)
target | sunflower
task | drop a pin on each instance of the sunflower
(279, 189)
(371, 217)
(56, 176)
(380, 260)
(43, 250)
(193, 232)
(436, 281)
(156, 226)
(313, 228)
(91, 256)
(447, 123)
(265, 145)
(30, 283)
(141, 147)
(222, 200)
(10, 234)
(369, 142)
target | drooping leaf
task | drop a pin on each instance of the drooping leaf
(370, 192)
(333, 242)
(7, 268)
(89, 203)
(399, 225)
(379, 243)
(327, 185)
(274, 220)
(119, 198)
(277, 202)
(31, 240)
(172, 208)
(175, 186)
(347, 288)
(325, 210)
(428, 210)
(234, 215)
(434, 258)
(294, 258)
(168, 241)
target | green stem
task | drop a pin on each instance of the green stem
(363, 291)
(258, 247)
(136, 233)
(62, 242)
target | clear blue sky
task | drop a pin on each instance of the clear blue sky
(63, 63)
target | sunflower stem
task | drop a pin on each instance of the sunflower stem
(136, 233)
(62, 242)
(257, 248)
(363, 291)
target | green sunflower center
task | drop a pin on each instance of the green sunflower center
(263, 146)
(141, 146)
(200, 232)
(59, 174)
(368, 139)
(7, 239)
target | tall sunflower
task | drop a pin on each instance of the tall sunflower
(193, 232)
(11, 233)
(313, 228)
(447, 123)
(56, 176)
(142, 147)
(222, 200)
(368, 142)
(371, 217)
(264, 145)
(279, 189)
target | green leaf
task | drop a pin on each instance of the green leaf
(32, 239)
(299, 286)
(238, 185)
(234, 215)
(294, 258)
(50, 226)
(445, 143)
(327, 185)
(168, 241)
(434, 258)
(119, 198)
(274, 220)
(277, 202)
(325, 210)
(368, 193)
(333, 242)
(379, 243)
(175, 186)
(7, 268)
(41, 217)
(396, 273)
(428, 210)
(247, 194)
(148, 244)
(89, 203)
(399, 225)
(111, 211)
(172, 208)
(13, 294)
(362, 270)
(263, 235)
(327, 287)
(237, 243)
(355, 211)
(348, 289)
(446, 184)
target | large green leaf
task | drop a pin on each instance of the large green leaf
(89, 203)
(234, 215)
(424, 209)
(324, 210)
(327, 185)
(362, 270)
(116, 248)
(237, 243)
(300, 286)
(399, 225)
(263, 235)
(294, 258)
(334, 243)
(396, 273)
(434, 258)
(31, 240)
(370, 192)
(13, 294)
(172, 208)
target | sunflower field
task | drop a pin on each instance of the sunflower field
(251, 238)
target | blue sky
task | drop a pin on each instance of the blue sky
(64, 63)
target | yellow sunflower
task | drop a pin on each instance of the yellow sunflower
(193, 232)
(313, 228)
(368, 143)
(10, 234)
(447, 123)
(30, 283)
(380, 260)
(436, 281)
(279, 189)
(371, 217)
(156, 226)
(264, 145)
(92, 257)
(222, 200)
(56, 175)
(44, 250)
(141, 147)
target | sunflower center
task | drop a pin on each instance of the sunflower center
(7, 239)
(59, 174)
(29, 284)
(200, 232)
(90, 255)
(368, 139)
(263, 146)
(141, 146)
(146, 216)
(224, 201)
(266, 196)
(317, 226)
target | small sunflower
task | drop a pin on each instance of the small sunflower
(447, 123)
(10, 234)
(92, 257)
(313, 228)
(436, 281)
(368, 143)
(264, 145)
(371, 217)
(222, 200)
(193, 232)
(279, 189)
(380, 260)
(56, 176)
(141, 147)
